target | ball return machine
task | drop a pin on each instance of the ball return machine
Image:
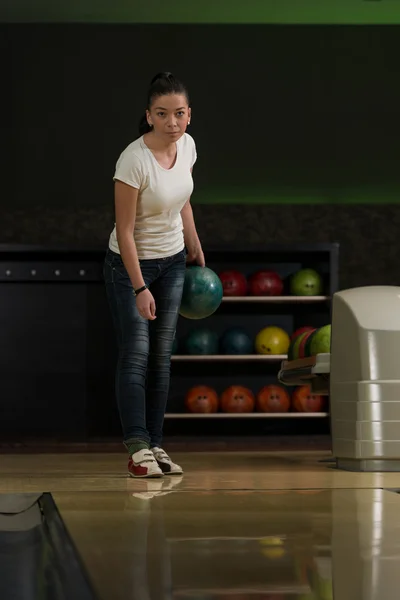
(361, 376)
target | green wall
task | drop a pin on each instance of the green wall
(203, 11)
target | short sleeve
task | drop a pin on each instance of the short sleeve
(129, 170)
(194, 153)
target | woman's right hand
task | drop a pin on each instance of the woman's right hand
(146, 305)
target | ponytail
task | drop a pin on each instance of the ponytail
(163, 84)
(144, 126)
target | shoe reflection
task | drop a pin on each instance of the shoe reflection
(146, 489)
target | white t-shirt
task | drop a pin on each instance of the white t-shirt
(158, 230)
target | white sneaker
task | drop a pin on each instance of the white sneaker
(143, 464)
(165, 463)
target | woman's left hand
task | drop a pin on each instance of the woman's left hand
(196, 256)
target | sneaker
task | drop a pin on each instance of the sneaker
(143, 464)
(165, 463)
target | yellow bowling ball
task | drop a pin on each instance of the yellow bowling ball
(272, 547)
(272, 340)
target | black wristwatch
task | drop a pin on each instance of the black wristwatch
(136, 292)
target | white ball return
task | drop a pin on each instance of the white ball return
(361, 375)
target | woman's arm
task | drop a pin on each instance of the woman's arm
(125, 218)
(192, 241)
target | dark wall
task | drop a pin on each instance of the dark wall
(283, 117)
(280, 113)
(368, 235)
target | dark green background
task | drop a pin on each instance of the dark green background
(204, 11)
(281, 114)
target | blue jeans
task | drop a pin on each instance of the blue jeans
(144, 347)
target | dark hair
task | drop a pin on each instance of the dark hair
(163, 84)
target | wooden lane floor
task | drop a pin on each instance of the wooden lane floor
(236, 526)
(203, 471)
(238, 545)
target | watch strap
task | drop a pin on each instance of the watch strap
(140, 290)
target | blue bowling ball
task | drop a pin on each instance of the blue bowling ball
(202, 341)
(202, 293)
(236, 341)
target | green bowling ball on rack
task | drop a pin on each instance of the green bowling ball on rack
(306, 282)
(321, 341)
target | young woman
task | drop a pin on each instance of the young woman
(144, 268)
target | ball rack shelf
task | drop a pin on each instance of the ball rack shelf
(253, 415)
(229, 357)
(276, 299)
(296, 311)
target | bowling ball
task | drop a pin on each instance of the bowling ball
(201, 399)
(272, 340)
(273, 547)
(304, 401)
(234, 283)
(175, 346)
(237, 399)
(293, 352)
(273, 399)
(202, 341)
(265, 283)
(236, 341)
(307, 347)
(306, 282)
(321, 341)
(301, 330)
(202, 293)
(302, 345)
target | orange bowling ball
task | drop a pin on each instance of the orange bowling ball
(237, 399)
(273, 399)
(304, 401)
(202, 399)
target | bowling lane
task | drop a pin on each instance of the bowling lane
(151, 543)
(210, 471)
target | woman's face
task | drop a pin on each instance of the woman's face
(169, 116)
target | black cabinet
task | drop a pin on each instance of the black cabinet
(58, 353)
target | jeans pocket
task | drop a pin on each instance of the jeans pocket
(114, 270)
(109, 273)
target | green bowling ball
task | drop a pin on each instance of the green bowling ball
(202, 293)
(306, 282)
(321, 341)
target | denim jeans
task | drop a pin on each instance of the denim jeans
(144, 347)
